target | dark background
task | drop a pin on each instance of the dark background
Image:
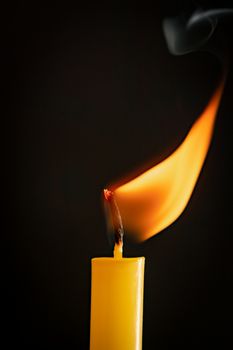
(93, 94)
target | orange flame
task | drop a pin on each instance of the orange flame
(154, 200)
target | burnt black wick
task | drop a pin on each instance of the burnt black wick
(115, 217)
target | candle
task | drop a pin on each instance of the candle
(116, 296)
(117, 303)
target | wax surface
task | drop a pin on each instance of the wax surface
(117, 303)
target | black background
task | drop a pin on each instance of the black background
(93, 94)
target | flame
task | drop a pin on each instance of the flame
(154, 200)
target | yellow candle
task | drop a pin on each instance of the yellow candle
(117, 303)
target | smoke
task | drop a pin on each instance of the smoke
(187, 34)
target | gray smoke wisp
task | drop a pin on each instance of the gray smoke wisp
(184, 35)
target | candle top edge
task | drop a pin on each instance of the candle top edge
(123, 259)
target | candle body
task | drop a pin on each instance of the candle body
(117, 303)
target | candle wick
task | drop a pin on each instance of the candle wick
(116, 222)
(118, 250)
